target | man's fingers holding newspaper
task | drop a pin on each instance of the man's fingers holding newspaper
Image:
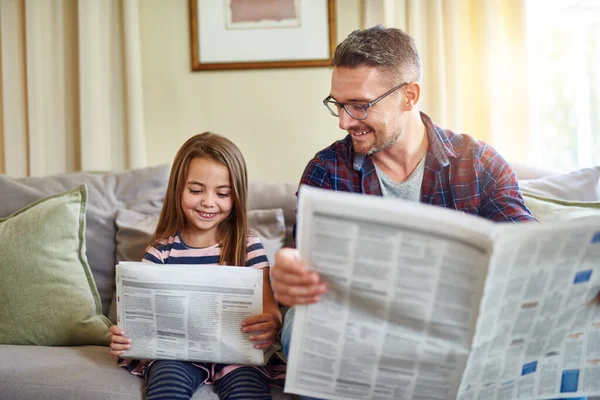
(292, 282)
(118, 341)
(262, 329)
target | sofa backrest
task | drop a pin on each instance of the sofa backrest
(141, 190)
(524, 171)
(265, 194)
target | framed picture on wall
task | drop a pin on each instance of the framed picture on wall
(252, 34)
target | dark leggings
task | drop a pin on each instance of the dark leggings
(168, 379)
(244, 383)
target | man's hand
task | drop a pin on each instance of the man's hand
(118, 341)
(292, 282)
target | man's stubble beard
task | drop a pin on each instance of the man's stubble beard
(386, 145)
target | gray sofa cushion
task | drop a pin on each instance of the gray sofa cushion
(264, 194)
(86, 372)
(140, 190)
(75, 373)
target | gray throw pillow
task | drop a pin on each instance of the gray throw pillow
(580, 185)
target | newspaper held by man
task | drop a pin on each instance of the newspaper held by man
(429, 303)
(189, 312)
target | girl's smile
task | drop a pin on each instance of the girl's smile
(206, 215)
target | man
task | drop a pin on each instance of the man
(393, 149)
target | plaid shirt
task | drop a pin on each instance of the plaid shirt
(460, 173)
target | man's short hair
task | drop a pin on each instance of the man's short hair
(389, 49)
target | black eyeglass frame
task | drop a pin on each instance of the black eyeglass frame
(365, 107)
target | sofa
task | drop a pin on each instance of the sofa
(119, 214)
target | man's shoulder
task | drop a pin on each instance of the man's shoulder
(463, 144)
(470, 159)
(339, 151)
(476, 162)
(468, 149)
(333, 168)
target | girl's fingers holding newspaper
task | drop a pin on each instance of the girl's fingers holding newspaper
(264, 343)
(117, 349)
(116, 330)
(260, 323)
(260, 327)
(118, 341)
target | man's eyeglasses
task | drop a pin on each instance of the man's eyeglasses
(356, 111)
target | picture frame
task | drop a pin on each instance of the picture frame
(277, 34)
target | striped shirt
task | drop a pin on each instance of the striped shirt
(175, 251)
(460, 173)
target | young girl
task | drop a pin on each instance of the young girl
(203, 221)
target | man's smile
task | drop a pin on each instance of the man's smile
(360, 133)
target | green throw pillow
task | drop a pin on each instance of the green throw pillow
(548, 209)
(47, 293)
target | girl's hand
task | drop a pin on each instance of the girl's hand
(262, 328)
(118, 341)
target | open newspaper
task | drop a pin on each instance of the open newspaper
(189, 312)
(428, 303)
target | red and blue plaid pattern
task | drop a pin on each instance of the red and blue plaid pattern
(460, 172)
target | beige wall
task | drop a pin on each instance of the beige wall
(274, 116)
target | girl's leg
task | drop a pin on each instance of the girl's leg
(244, 383)
(286, 332)
(168, 379)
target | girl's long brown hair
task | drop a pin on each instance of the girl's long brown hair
(233, 231)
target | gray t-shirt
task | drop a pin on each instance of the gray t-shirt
(410, 189)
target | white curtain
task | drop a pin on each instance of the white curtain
(71, 87)
(474, 55)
